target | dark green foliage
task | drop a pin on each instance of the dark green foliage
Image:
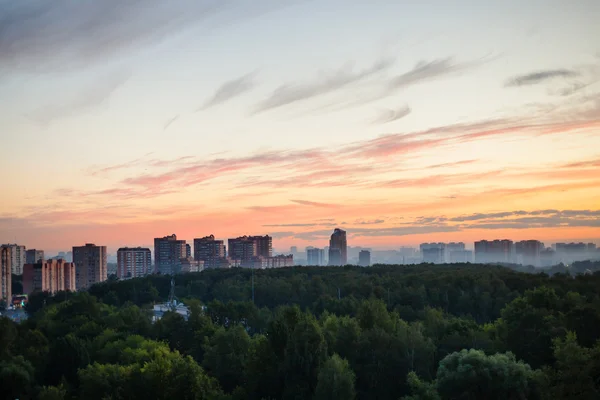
(418, 332)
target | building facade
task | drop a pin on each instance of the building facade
(242, 248)
(315, 257)
(133, 262)
(264, 245)
(90, 265)
(187, 265)
(260, 262)
(49, 276)
(6, 273)
(338, 248)
(210, 251)
(434, 253)
(33, 256)
(529, 252)
(495, 251)
(167, 253)
(17, 258)
(364, 258)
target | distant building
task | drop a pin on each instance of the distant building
(547, 257)
(338, 248)
(49, 276)
(33, 256)
(242, 248)
(210, 251)
(133, 262)
(5, 273)
(260, 262)
(17, 258)
(364, 258)
(529, 251)
(570, 252)
(434, 253)
(264, 245)
(495, 251)
(315, 257)
(167, 253)
(90, 265)
(188, 250)
(187, 265)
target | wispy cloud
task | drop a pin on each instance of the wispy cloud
(90, 97)
(534, 78)
(313, 203)
(326, 83)
(170, 121)
(56, 35)
(230, 90)
(390, 115)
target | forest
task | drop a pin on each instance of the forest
(385, 332)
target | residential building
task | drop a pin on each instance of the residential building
(364, 258)
(335, 257)
(6, 273)
(188, 250)
(433, 252)
(133, 262)
(90, 265)
(495, 251)
(315, 257)
(529, 252)
(187, 265)
(338, 248)
(167, 253)
(17, 258)
(210, 251)
(33, 256)
(260, 262)
(49, 276)
(264, 245)
(242, 248)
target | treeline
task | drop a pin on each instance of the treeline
(389, 332)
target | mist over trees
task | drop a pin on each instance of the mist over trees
(386, 332)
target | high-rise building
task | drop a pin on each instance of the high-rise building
(33, 256)
(49, 276)
(433, 252)
(264, 245)
(338, 248)
(528, 252)
(90, 265)
(364, 258)
(315, 257)
(17, 258)
(457, 253)
(495, 251)
(133, 262)
(6, 273)
(188, 250)
(242, 248)
(167, 253)
(210, 251)
(187, 265)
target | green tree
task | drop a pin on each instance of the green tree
(470, 374)
(335, 381)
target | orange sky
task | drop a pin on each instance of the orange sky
(450, 130)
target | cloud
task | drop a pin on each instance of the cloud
(90, 97)
(427, 70)
(326, 83)
(452, 164)
(59, 35)
(390, 115)
(537, 77)
(369, 222)
(170, 121)
(313, 203)
(230, 90)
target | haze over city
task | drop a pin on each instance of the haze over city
(400, 123)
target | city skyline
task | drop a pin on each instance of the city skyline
(442, 128)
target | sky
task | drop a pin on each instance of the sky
(399, 121)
